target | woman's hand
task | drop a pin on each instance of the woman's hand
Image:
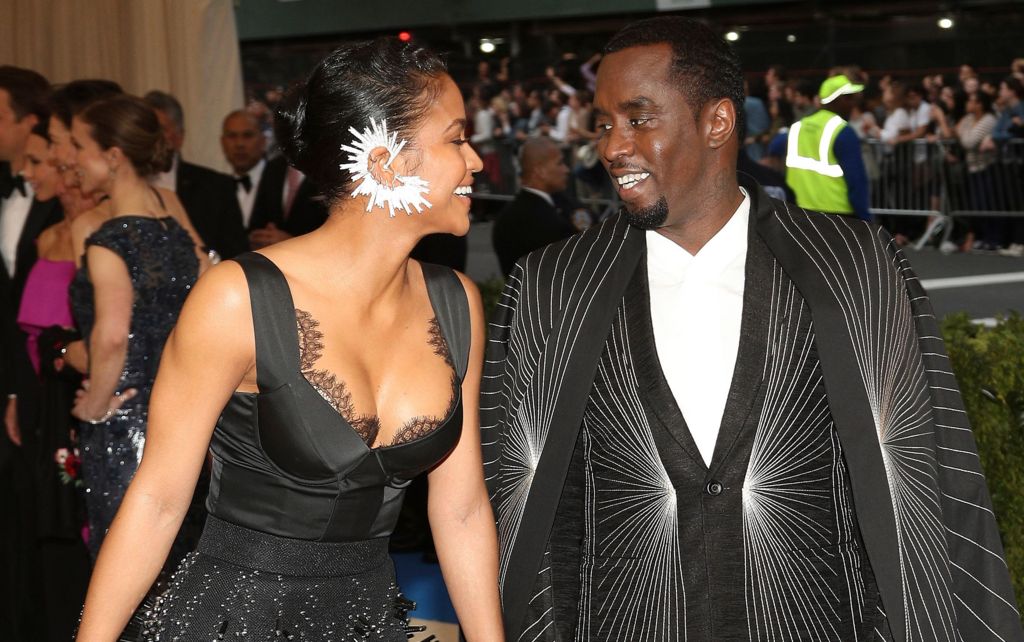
(92, 409)
(75, 356)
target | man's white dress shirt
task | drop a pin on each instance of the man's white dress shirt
(13, 215)
(696, 308)
(246, 200)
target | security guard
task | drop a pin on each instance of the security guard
(824, 166)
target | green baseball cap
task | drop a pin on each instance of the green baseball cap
(837, 86)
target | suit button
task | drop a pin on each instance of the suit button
(714, 488)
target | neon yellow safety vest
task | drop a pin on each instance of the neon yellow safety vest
(811, 167)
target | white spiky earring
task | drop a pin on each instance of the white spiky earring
(406, 193)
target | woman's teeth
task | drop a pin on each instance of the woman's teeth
(464, 190)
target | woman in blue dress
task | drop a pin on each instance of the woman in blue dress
(137, 270)
(323, 373)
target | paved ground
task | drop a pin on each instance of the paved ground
(983, 285)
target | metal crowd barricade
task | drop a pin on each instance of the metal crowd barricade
(939, 180)
(908, 179)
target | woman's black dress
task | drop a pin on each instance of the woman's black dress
(300, 507)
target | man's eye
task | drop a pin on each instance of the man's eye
(636, 122)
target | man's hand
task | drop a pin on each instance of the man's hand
(11, 421)
(267, 236)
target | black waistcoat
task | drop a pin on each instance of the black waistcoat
(651, 544)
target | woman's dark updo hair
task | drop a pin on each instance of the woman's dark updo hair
(72, 98)
(130, 124)
(379, 79)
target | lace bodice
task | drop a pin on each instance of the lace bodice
(336, 393)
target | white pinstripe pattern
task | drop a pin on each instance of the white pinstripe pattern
(796, 477)
(632, 541)
(878, 315)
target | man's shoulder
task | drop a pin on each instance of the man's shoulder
(571, 256)
(809, 225)
(201, 173)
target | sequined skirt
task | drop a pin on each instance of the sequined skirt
(242, 584)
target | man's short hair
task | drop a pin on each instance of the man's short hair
(28, 91)
(534, 151)
(240, 112)
(169, 105)
(703, 64)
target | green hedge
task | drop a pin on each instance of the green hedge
(989, 365)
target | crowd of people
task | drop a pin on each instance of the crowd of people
(105, 230)
(938, 143)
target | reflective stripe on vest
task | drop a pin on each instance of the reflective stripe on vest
(820, 165)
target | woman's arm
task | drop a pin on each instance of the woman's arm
(460, 512)
(215, 327)
(108, 342)
(82, 227)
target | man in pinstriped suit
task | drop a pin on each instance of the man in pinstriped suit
(719, 417)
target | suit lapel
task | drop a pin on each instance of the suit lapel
(267, 206)
(574, 346)
(668, 424)
(851, 411)
(747, 377)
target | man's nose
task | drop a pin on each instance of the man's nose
(614, 144)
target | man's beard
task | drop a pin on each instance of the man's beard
(648, 218)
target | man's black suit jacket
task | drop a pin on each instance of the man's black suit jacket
(16, 373)
(209, 199)
(309, 210)
(528, 223)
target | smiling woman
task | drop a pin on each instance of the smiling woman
(323, 374)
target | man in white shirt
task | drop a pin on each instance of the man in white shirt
(717, 416)
(244, 146)
(910, 120)
(23, 97)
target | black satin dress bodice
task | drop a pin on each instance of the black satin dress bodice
(285, 462)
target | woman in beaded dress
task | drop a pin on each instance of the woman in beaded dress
(137, 270)
(329, 370)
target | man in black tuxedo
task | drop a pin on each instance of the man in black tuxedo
(265, 188)
(23, 96)
(207, 196)
(533, 219)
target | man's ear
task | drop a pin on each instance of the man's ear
(29, 120)
(719, 121)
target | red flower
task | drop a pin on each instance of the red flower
(71, 466)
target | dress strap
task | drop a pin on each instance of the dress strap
(448, 298)
(273, 321)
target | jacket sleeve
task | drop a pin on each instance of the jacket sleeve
(980, 580)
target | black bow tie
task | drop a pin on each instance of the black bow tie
(245, 182)
(12, 183)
